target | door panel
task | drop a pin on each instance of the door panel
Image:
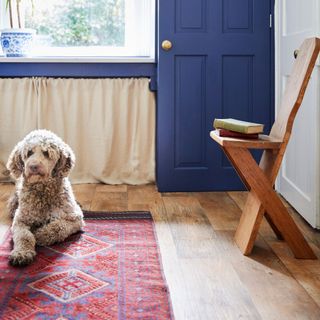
(238, 16)
(190, 16)
(219, 66)
(190, 84)
(299, 174)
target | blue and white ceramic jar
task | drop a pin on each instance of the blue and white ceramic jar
(17, 42)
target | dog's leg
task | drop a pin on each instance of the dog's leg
(24, 241)
(57, 231)
(13, 204)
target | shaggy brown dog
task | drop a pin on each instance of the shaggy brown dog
(43, 206)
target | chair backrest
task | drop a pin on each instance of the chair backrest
(295, 89)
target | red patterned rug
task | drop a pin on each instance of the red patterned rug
(110, 271)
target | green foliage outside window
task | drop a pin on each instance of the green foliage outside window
(78, 22)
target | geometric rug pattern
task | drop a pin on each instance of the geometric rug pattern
(68, 285)
(112, 270)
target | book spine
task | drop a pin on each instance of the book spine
(233, 134)
(220, 124)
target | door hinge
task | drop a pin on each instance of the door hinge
(270, 20)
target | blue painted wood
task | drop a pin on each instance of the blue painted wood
(238, 16)
(88, 70)
(220, 65)
(190, 90)
(190, 15)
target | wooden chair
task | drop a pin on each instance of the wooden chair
(259, 179)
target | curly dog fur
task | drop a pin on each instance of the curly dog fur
(43, 206)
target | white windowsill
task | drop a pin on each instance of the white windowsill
(81, 55)
(78, 59)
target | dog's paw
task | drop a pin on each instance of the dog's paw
(44, 238)
(44, 242)
(21, 258)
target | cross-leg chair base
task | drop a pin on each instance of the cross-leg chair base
(261, 198)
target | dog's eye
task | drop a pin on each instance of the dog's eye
(46, 154)
(30, 153)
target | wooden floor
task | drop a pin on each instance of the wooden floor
(207, 276)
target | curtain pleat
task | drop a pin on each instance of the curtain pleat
(109, 123)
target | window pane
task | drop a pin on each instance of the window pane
(78, 22)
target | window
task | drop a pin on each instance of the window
(91, 28)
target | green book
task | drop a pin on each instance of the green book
(238, 125)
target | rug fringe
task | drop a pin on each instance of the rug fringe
(114, 215)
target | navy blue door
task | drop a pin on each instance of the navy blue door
(219, 66)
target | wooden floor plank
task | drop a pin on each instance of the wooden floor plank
(110, 198)
(84, 194)
(213, 290)
(141, 197)
(311, 234)
(221, 210)
(6, 190)
(190, 228)
(274, 291)
(306, 272)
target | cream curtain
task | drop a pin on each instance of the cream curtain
(109, 123)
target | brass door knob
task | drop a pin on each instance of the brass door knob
(166, 45)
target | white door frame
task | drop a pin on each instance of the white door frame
(311, 211)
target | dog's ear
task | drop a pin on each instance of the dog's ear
(15, 164)
(65, 163)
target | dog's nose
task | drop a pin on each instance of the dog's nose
(34, 167)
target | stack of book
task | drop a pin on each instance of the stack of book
(237, 128)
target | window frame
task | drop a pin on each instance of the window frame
(131, 30)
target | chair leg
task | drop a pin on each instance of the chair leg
(270, 164)
(249, 224)
(245, 237)
(273, 226)
(262, 187)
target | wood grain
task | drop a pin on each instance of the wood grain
(84, 192)
(111, 198)
(271, 285)
(5, 219)
(215, 204)
(263, 193)
(264, 141)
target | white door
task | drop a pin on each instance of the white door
(298, 180)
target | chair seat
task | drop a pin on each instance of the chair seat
(264, 142)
